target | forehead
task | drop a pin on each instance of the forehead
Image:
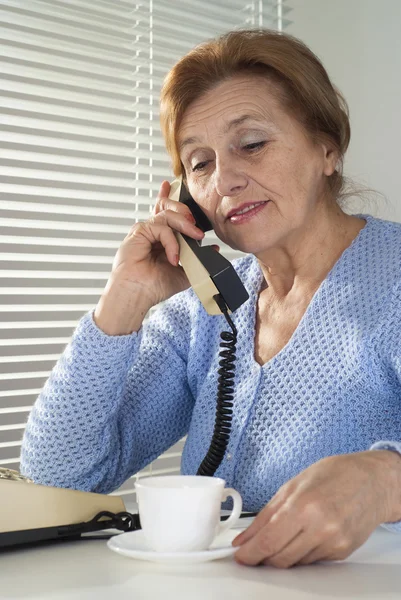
(243, 95)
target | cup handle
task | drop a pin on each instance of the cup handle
(236, 511)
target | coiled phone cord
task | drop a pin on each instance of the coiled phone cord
(225, 391)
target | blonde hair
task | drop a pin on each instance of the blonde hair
(300, 83)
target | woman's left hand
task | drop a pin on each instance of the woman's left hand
(325, 512)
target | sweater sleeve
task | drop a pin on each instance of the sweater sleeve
(112, 404)
(391, 340)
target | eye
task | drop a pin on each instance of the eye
(254, 146)
(200, 166)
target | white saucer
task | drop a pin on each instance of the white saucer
(133, 545)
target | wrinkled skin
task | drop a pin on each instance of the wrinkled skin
(326, 512)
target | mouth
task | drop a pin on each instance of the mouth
(246, 211)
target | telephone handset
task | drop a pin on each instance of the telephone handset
(220, 290)
(209, 272)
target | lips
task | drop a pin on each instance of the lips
(238, 209)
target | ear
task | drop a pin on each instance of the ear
(330, 158)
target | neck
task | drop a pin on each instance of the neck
(304, 258)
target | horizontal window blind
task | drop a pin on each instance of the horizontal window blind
(81, 160)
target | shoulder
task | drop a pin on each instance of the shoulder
(385, 237)
(378, 274)
(380, 253)
(385, 282)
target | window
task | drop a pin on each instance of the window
(82, 159)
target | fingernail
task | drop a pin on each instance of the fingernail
(190, 218)
(177, 259)
(237, 541)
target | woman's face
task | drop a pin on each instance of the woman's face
(238, 148)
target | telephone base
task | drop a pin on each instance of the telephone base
(31, 513)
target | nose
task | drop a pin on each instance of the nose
(229, 179)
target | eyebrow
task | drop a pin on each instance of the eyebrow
(230, 125)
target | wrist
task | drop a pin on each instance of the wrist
(389, 477)
(120, 312)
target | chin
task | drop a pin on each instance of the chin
(258, 239)
(251, 247)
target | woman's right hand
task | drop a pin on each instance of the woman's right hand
(145, 269)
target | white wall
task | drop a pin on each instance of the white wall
(359, 43)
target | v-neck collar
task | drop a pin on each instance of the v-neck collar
(254, 295)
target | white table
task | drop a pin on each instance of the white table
(87, 569)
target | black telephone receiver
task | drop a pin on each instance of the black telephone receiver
(220, 290)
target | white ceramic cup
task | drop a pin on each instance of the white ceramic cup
(181, 513)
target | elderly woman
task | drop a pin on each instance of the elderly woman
(258, 132)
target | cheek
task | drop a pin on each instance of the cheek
(280, 168)
(203, 192)
(294, 163)
(300, 171)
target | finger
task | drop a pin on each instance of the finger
(260, 520)
(330, 550)
(216, 247)
(268, 541)
(299, 547)
(164, 189)
(175, 220)
(171, 247)
(145, 235)
(313, 556)
(165, 203)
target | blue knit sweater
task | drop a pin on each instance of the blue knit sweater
(113, 404)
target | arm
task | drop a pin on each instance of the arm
(390, 340)
(112, 403)
(119, 396)
(329, 509)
